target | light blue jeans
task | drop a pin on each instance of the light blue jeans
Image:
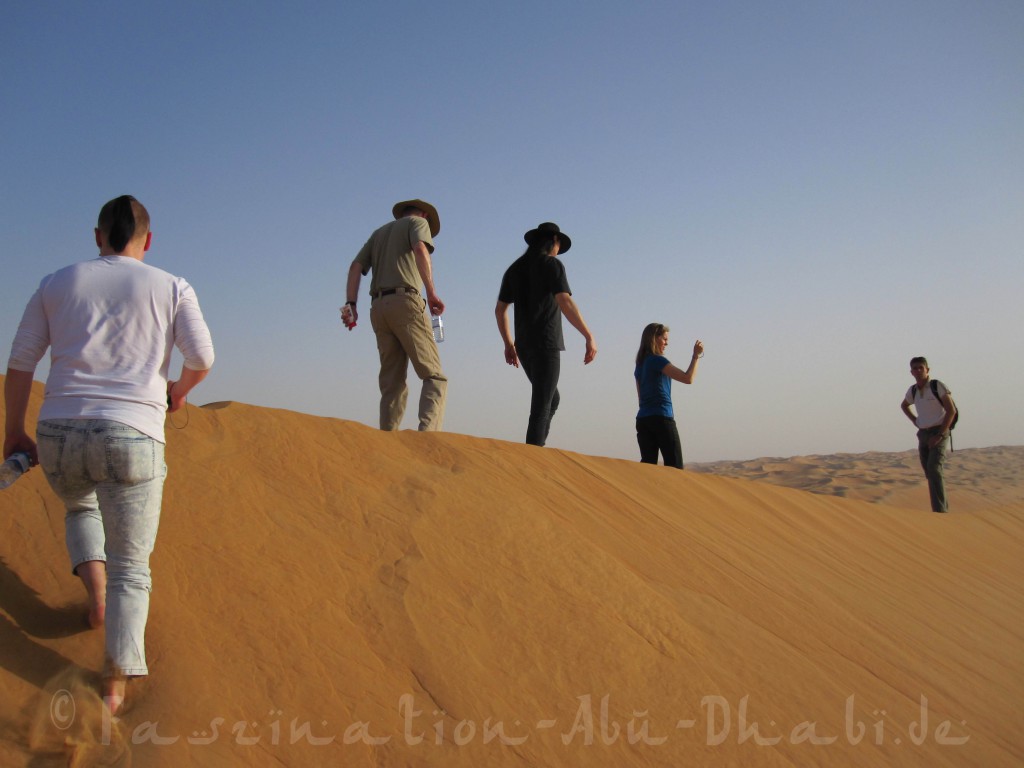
(110, 478)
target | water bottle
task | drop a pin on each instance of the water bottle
(438, 327)
(346, 317)
(13, 468)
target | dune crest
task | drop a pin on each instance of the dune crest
(327, 594)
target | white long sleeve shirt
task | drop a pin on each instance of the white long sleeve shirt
(111, 324)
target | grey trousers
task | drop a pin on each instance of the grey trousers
(932, 460)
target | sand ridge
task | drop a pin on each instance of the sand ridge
(328, 594)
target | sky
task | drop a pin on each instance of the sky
(818, 190)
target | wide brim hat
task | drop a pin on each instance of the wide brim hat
(432, 218)
(549, 228)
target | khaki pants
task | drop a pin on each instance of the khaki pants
(403, 335)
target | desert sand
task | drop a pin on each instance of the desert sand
(327, 594)
(976, 478)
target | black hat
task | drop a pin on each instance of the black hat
(549, 228)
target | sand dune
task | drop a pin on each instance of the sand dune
(976, 478)
(326, 594)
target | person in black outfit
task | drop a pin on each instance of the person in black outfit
(536, 283)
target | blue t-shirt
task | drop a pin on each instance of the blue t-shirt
(655, 388)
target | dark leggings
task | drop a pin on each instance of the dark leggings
(659, 433)
(542, 369)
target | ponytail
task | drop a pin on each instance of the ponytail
(120, 220)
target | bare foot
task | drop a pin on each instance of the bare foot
(94, 576)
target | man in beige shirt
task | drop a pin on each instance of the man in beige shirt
(398, 254)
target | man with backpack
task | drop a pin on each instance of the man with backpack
(935, 416)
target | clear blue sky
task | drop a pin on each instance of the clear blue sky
(818, 190)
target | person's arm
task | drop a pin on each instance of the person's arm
(687, 376)
(947, 422)
(29, 345)
(501, 315)
(574, 316)
(905, 405)
(17, 389)
(950, 408)
(193, 340)
(355, 276)
(423, 264)
(178, 390)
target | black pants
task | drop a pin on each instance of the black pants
(542, 368)
(659, 433)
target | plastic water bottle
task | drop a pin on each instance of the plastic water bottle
(438, 326)
(346, 317)
(13, 468)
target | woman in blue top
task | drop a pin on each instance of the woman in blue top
(655, 421)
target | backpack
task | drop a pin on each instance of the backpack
(934, 384)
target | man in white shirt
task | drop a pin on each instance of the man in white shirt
(934, 416)
(110, 324)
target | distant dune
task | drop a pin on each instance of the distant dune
(976, 478)
(326, 594)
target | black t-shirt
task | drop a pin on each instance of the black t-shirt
(531, 284)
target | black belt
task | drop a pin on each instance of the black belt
(390, 291)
